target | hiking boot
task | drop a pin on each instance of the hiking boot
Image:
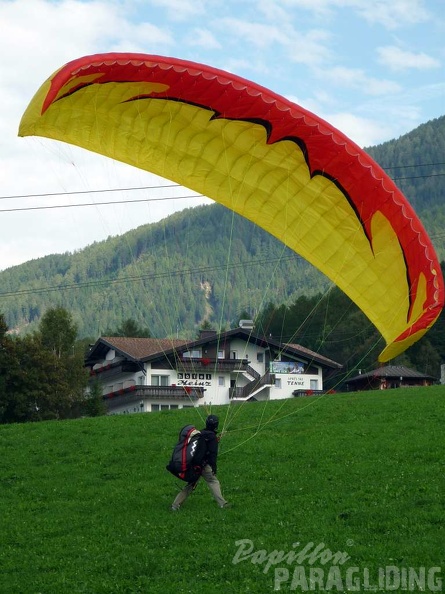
(174, 508)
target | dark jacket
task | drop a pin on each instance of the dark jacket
(211, 454)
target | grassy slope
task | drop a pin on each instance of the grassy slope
(84, 504)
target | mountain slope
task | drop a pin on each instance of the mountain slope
(417, 164)
(200, 264)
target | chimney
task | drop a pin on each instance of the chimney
(207, 333)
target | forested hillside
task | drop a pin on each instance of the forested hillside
(416, 161)
(204, 265)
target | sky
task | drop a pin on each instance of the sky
(374, 69)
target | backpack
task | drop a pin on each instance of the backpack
(188, 455)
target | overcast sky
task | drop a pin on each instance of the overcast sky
(372, 68)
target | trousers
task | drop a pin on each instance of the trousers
(212, 483)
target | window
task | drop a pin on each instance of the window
(314, 384)
(221, 380)
(194, 354)
(158, 407)
(110, 355)
(141, 380)
(221, 354)
(278, 382)
(260, 357)
(160, 380)
(233, 355)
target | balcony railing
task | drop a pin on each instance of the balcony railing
(157, 393)
(116, 368)
(211, 365)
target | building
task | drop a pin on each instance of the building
(150, 374)
(391, 376)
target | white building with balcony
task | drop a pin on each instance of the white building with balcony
(150, 374)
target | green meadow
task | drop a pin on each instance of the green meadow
(341, 492)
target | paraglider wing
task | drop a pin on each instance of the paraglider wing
(264, 157)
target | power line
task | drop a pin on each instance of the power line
(410, 166)
(49, 194)
(27, 208)
(108, 203)
(163, 186)
(420, 176)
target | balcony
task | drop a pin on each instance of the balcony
(203, 365)
(156, 393)
(115, 368)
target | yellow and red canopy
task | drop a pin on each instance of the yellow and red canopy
(264, 157)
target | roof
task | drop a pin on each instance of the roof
(135, 348)
(143, 349)
(391, 371)
(314, 356)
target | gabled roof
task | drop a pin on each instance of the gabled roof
(314, 356)
(391, 371)
(145, 349)
(134, 348)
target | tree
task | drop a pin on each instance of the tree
(9, 374)
(33, 385)
(243, 314)
(58, 331)
(63, 397)
(94, 404)
(44, 385)
(206, 325)
(129, 328)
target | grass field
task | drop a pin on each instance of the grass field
(356, 479)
